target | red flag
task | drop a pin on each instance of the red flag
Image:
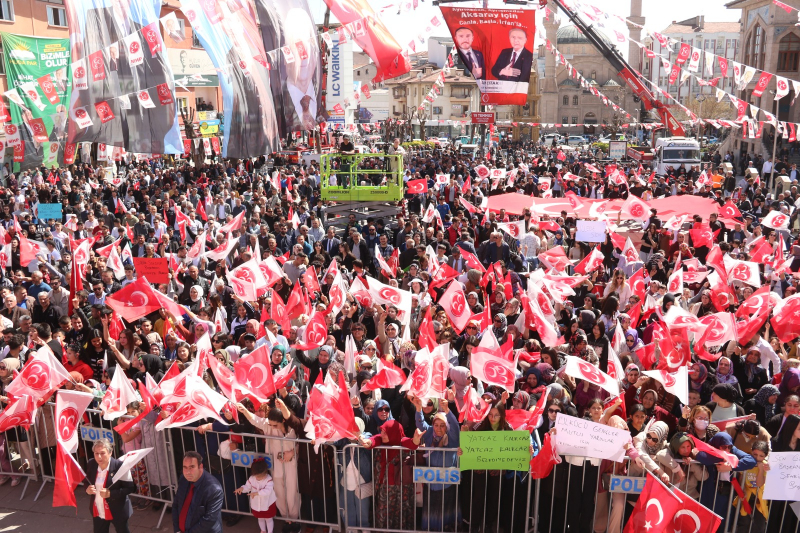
(135, 300)
(427, 336)
(488, 364)
(702, 236)
(28, 250)
(747, 328)
(254, 374)
(542, 465)
(455, 305)
(694, 516)
(761, 299)
(315, 334)
(40, 376)
(468, 410)
(729, 210)
(654, 510)
(419, 186)
(443, 276)
(201, 210)
(786, 317)
(282, 377)
(591, 262)
(310, 280)
(387, 377)
(472, 260)
(295, 305)
(18, 413)
(68, 476)
(636, 282)
(719, 454)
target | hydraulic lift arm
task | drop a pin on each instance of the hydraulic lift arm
(613, 56)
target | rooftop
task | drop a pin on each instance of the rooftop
(708, 27)
(572, 35)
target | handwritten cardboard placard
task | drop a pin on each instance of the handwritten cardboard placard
(584, 438)
(495, 450)
(50, 211)
(155, 269)
(591, 231)
(783, 478)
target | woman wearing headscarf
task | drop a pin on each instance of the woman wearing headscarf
(745, 433)
(146, 363)
(534, 383)
(499, 326)
(748, 370)
(631, 376)
(196, 299)
(498, 302)
(701, 381)
(677, 460)
(715, 492)
(763, 403)
(627, 352)
(381, 414)
(723, 404)
(724, 373)
(316, 365)
(278, 358)
(790, 384)
(440, 510)
(393, 476)
(788, 440)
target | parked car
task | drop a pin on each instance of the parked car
(576, 140)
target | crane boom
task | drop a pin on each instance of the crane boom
(612, 55)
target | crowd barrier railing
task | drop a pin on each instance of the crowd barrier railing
(348, 487)
(304, 480)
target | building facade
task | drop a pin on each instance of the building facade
(563, 100)
(771, 42)
(719, 38)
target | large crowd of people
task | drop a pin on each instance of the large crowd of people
(162, 209)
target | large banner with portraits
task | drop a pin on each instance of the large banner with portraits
(123, 92)
(496, 46)
(229, 33)
(37, 71)
(296, 73)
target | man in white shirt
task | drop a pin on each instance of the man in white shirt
(110, 504)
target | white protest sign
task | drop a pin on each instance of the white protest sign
(591, 231)
(584, 438)
(783, 478)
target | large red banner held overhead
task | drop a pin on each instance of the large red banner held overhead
(496, 46)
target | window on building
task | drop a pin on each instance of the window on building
(788, 53)
(183, 104)
(760, 48)
(574, 120)
(6, 10)
(565, 100)
(195, 40)
(358, 73)
(594, 74)
(565, 120)
(437, 110)
(2, 63)
(575, 100)
(56, 16)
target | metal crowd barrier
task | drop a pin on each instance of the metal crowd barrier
(304, 480)
(388, 489)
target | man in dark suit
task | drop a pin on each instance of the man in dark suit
(473, 59)
(198, 501)
(110, 502)
(330, 243)
(514, 64)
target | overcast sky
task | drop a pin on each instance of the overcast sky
(658, 13)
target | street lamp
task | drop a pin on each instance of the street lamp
(700, 97)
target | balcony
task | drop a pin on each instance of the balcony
(399, 92)
(460, 95)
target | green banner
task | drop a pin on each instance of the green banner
(29, 61)
(495, 450)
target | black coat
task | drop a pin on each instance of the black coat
(205, 509)
(118, 503)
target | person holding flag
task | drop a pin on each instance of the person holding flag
(110, 503)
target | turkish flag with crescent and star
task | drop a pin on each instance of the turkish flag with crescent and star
(656, 509)
(68, 476)
(135, 300)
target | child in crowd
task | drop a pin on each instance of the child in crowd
(260, 487)
(132, 441)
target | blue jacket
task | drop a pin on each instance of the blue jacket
(205, 509)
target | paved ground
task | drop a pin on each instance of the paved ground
(28, 516)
